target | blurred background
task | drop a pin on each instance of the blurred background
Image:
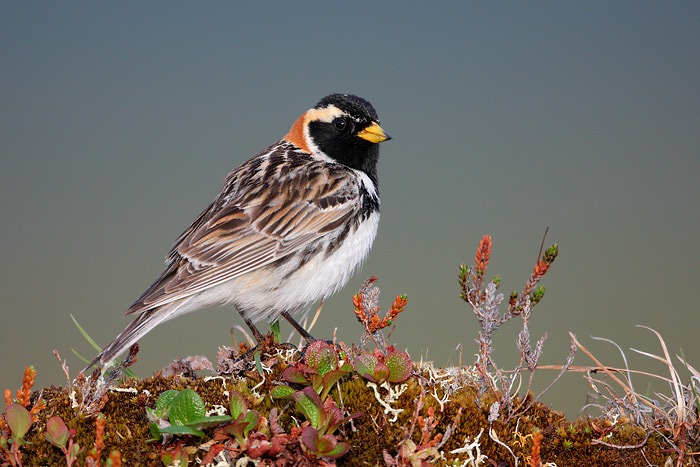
(119, 121)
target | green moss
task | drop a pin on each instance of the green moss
(564, 442)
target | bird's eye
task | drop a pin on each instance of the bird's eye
(340, 124)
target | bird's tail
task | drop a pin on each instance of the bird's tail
(133, 332)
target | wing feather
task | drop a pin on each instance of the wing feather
(254, 222)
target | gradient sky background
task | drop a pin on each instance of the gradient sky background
(119, 121)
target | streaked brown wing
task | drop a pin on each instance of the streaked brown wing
(254, 228)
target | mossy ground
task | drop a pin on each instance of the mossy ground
(372, 434)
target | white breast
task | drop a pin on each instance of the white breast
(264, 293)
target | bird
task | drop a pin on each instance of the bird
(288, 229)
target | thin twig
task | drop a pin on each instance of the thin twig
(544, 237)
(630, 446)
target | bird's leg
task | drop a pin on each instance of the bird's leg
(257, 335)
(308, 337)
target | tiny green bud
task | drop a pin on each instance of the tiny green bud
(537, 295)
(463, 271)
(551, 253)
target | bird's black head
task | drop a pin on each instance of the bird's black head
(351, 104)
(346, 128)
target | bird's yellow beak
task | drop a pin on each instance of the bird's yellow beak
(374, 134)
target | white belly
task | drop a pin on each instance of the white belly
(265, 293)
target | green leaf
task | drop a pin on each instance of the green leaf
(181, 430)
(323, 446)
(321, 357)
(330, 378)
(56, 432)
(282, 392)
(381, 372)
(365, 364)
(73, 450)
(209, 421)
(164, 402)
(258, 363)
(241, 428)
(237, 430)
(155, 431)
(293, 374)
(18, 419)
(253, 418)
(326, 443)
(276, 331)
(400, 366)
(237, 404)
(309, 436)
(310, 405)
(338, 451)
(332, 414)
(185, 407)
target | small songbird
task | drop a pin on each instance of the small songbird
(289, 227)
